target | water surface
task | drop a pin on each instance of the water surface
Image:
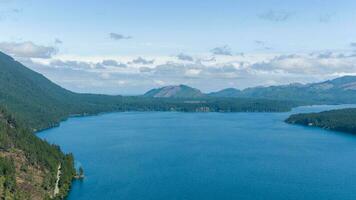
(186, 156)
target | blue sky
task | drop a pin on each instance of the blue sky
(311, 35)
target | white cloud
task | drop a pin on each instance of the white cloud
(113, 63)
(117, 36)
(58, 41)
(276, 16)
(71, 64)
(142, 61)
(224, 50)
(27, 50)
(323, 64)
(185, 57)
(192, 72)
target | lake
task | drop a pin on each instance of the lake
(205, 156)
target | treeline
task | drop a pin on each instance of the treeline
(339, 120)
(197, 105)
(41, 116)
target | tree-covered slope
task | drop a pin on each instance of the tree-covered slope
(30, 96)
(339, 120)
(28, 165)
(38, 102)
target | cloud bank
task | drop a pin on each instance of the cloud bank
(224, 50)
(185, 57)
(142, 61)
(27, 50)
(140, 74)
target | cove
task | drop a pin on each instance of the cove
(169, 155)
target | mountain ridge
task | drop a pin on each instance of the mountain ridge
(334, 91)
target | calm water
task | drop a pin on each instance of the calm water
(203, 156)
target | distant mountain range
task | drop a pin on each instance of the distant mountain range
(339, 90)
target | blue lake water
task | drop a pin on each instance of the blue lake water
(205, 156)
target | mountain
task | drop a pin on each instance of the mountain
(178, 91)
(342, 89)
(336, 91)
(228, 92)
(29, 94)
(345, 83)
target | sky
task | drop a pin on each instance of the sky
(131, 46)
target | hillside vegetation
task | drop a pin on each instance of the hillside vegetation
(28, 165)
(339, 120)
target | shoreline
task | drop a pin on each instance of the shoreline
(168, 111)
(293, 109)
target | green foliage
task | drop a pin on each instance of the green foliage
(338, 120)
(67, 174)
(38, 152)
(7, 171)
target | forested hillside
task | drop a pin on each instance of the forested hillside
(339, 120)
(28, 165)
